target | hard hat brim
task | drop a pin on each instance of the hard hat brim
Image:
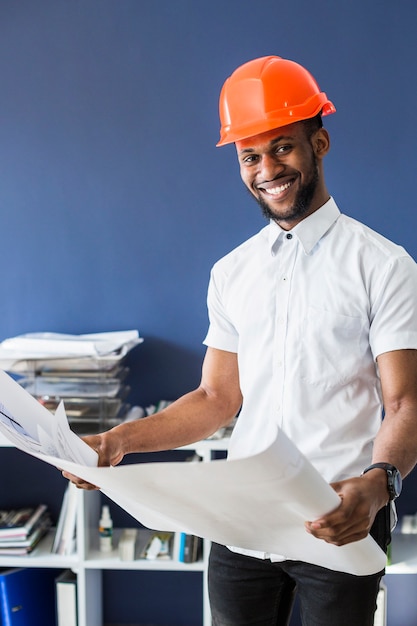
(318, 104)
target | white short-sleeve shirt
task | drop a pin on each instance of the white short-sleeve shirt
(307, 312)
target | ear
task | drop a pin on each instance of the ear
(320, 142)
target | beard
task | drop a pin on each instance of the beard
(302, 203)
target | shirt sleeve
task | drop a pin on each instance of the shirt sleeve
(221, 333)
(394, 312)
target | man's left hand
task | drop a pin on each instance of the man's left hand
(361, 499)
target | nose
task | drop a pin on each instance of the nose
(269, 167)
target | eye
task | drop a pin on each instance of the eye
(283, 149)
(249, 159)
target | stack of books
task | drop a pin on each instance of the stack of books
(22, 529)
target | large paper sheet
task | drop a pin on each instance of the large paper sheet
(257, 503)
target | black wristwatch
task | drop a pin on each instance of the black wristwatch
(394, 480)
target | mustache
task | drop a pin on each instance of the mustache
(302, 202)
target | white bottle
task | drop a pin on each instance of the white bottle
(106, 530)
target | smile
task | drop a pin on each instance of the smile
(274, 191)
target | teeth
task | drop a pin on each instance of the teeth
(277, 190)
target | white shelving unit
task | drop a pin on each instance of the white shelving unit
(89, 563)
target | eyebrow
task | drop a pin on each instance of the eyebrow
(271, 144)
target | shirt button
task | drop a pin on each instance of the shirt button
(289, 236)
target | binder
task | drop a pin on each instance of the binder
(27, 596)
(66, 599)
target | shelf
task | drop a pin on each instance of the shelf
(100, 561)
(41, 557)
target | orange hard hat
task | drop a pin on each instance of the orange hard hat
(267, 93)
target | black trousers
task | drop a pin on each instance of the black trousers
(246, 591)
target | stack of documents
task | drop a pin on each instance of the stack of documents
(87, 372)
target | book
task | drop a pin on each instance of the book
(20, 523)
(179, 546)
(192, 549)
(27, 596)
(60, 524)
(66, 599)
(65, 534)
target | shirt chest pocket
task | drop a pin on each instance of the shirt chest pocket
(335, 348)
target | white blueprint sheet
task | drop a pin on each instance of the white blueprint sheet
(259, 503)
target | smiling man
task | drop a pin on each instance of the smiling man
(313, 329)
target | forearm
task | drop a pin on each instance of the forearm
(194, 416)
(396, 442)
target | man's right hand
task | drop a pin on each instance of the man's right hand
(106, 446)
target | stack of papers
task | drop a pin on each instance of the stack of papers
(47, 346)
(88, 372)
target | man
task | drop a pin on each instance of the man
(313, 328)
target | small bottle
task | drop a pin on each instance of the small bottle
(106, 530)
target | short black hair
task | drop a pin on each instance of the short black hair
(313, 124)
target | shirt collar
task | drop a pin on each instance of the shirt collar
(311, 229)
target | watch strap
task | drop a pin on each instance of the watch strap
(394, 480)
(384, 466)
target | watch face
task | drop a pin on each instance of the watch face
(397, 483)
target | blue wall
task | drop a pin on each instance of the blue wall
(114, 201)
